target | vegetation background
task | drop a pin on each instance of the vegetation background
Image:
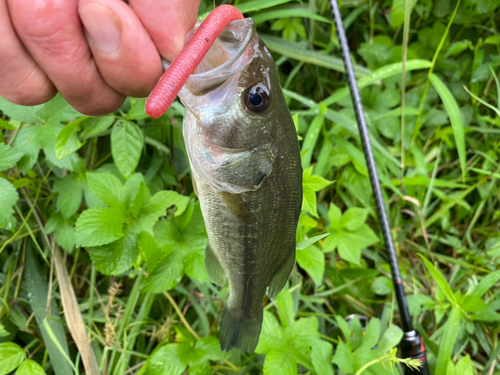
(102, 240)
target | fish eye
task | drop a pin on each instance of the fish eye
(257, 98)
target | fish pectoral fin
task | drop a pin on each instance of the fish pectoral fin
(281, 275)
(214, 268)
(195, 187)
(235, 204)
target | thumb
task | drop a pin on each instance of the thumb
(167, 22)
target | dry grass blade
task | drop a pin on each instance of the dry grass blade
(74, 317)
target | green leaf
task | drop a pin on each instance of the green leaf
(107, 187)
(9, 156)
(11, 356)
(464, 366)
(67, 140)
(425, 181)
(126, 146)
(310, 140)
(99, 226)
(316, 183)
(309, 201)
(280, 362)
(65, 232)
(3, 331)
(58, 109)
(472, 303)
(371, 334)
(166, 361)
(451, 106)
(285, 306)
(321, 355)
(390, 339)
(20, 112)
(92, 126)
(353, 218)
(70, 189)
(271, 335)
(209, 346)
(27, 142)
(308, 242)
(151, 251)
(306, 330)
(194, 266)
(398, 11)
(30, 367)
(116, 257)
(9, 125)
(349, 244)
(312, 260)
(167, 275)
(335, 215)
(298, 52)
(136, 194)
(310, 185)
(343, 358)
(378, 75)
(8, 198)
(296, 11)
(255, 5)
(448, 340)
(157, 207)
(137, 109)
(440, 281)
(486, 284)
(382, 285)
(200, 368)
(458, 47)
(47, 137)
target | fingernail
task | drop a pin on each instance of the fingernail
(102, 27)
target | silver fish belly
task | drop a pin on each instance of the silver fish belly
(245, 161)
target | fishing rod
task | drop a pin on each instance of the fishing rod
(412, 345)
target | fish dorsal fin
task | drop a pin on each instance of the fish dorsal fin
(214, 268)
(280, 277)
(235, 204)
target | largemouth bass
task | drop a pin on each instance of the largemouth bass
(245, 161)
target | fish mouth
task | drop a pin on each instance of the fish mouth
(225, 58)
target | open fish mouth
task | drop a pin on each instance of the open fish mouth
(228, 56)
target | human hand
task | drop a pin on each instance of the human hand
(94, 52)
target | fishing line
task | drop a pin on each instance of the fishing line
(412, 345)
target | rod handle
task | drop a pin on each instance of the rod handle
(412, 346)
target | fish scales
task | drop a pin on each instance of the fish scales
(247, 174)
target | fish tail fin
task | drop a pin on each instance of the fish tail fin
(240, 331)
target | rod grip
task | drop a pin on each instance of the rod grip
(412, 346)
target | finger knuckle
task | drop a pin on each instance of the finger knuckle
(26, 88)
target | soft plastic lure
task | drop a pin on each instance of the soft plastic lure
(169, 85)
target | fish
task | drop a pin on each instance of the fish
(244, 155)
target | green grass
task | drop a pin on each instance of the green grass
(137, 286)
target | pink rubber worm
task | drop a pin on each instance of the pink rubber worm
(171, 82)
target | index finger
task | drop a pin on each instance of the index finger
(167, 22)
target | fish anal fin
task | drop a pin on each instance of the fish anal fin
(235, 204)
(214, 268)
(281, 275)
